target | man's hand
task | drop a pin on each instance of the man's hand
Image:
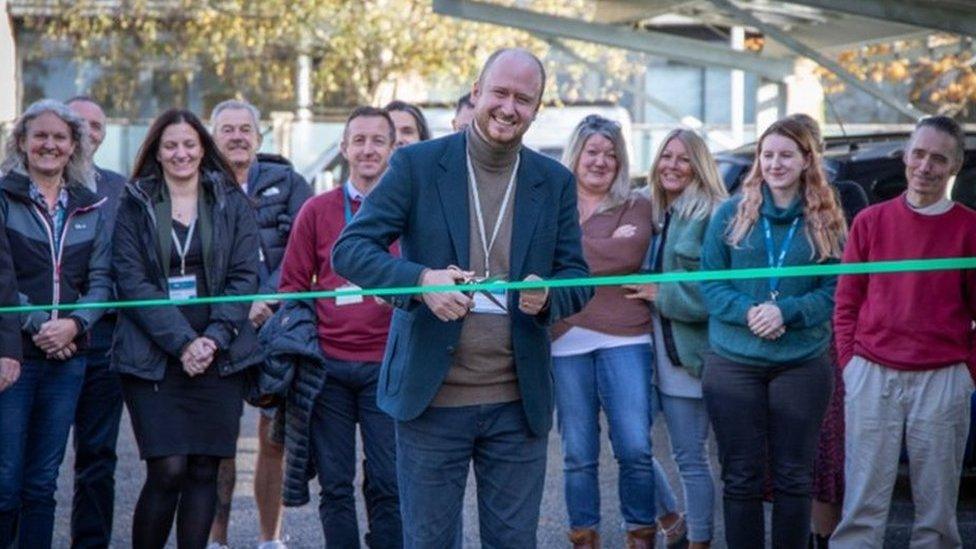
(55, 334)
(531, 302)
(647, 292)
(198, 355)
(259, 314)
(9, 372)
(447, 306)
(766, 321)
(64, 353)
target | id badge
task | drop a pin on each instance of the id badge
(348, 299)
(483, 304)
(182, 287)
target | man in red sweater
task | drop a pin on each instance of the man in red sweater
(352, 334)
(906, 344)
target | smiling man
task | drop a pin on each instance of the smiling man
(352, 334)
(467, 377)
(906, 344)
(277, 193)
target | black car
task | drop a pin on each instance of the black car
(872, 161)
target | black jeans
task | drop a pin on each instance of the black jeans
(96, 432)
(767, 414)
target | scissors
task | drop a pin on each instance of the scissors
(467, 280)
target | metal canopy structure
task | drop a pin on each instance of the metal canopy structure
(814, 29)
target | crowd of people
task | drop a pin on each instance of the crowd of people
(810, 383)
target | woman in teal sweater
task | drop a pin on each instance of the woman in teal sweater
(768, 381)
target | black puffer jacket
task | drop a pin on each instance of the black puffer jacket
(10, 344)
(294, 368)
(146, 336)
(277, 192)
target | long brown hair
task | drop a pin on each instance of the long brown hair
(824, 222)
(146, 163)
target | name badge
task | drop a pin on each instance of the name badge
(348, 299)
(182, 287)
(485, 304)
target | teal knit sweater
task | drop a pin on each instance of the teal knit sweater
(806, 302)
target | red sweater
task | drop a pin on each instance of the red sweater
(355, 332)
(913, 320)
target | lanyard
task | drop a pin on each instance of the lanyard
(182, 248)
(347, 203)
(778, 262)
(486, 244)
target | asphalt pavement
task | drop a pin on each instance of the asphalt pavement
(302, 526)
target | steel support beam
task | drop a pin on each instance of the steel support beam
(785, 39)
(641, 95)
(677, 48)
(930, 15)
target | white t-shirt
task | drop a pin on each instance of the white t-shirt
(579, 341)
(671, 380)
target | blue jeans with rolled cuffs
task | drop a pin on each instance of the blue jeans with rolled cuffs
(687, 422)
(434, 452)
(35, 417)
(618, 380)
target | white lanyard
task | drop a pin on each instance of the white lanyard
(486, 244)
(182, 248)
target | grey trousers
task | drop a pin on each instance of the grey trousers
(931, 408)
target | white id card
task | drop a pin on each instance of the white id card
(482, 304)
(348, 299)
(182, 287)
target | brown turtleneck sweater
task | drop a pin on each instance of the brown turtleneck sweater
(483, 371)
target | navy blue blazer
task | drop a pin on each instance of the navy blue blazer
(422, 199)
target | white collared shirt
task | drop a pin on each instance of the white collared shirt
(353, 192)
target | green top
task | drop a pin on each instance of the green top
(806, 302)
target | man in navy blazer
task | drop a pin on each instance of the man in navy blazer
(468, 377)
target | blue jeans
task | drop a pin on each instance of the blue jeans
(96, 432)
(35, 417)
(433, 455)
(618, 380)
(347, 398)
(687, 422)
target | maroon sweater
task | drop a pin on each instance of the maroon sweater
(913, 320)
(355, 332)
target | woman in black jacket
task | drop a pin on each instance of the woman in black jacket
(54, 225)
(184, 230)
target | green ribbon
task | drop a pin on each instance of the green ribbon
(873, 267)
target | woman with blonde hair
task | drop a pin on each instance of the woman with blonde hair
(768, 381)
(602, 355)
(685, 189)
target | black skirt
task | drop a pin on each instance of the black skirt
(181, 415)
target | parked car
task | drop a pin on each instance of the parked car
(873, 161)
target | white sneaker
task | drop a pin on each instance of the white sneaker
(273, 544)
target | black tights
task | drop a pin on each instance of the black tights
(189, 482)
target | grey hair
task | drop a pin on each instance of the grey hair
(79, 170)
(592, 125)
(235, 104)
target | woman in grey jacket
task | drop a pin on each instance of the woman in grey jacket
(685, 188)
(184, 230)
(55, 222)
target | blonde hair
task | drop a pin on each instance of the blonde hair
(702, 195)
(824, 222)
(595, 124)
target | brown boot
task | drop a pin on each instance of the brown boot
(585, 538)
(641, 538)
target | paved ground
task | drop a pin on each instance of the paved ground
(303, 527)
